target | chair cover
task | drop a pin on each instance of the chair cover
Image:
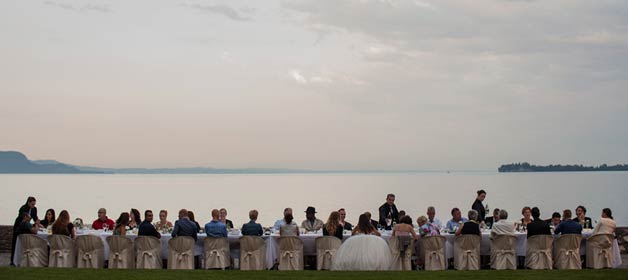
(34, 251)
(181, 253)
(503, 252)
(434, 252)
(401, 260)
(467, 252)
(539, 252)
(600, 251)
(217, 253)
(91, 252)
(148, 252)
(290, 253)
(62, 252)
(326, 247)
(567, 252)
(252, 253)
(121, 253)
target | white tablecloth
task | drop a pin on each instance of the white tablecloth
(309, 246)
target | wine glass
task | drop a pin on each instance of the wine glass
(105, 227)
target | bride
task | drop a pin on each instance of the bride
(365, 250)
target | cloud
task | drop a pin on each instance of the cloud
(80, 7)
(224, 10)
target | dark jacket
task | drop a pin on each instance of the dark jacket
(147, 229)
(386, 209)
(587, 222)
(538, 227)
(185, 227)
(338, 232)
(478, 206)
(252, 228)
(568, 227)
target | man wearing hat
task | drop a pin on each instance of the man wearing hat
(311, 223)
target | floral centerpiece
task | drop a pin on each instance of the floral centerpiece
(78, 223)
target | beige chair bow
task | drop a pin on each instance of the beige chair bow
(467, 252)
(567, 252)
(326, 247)
(34, 251)
(503, 252)
(91, 252)
(121, 253)
(433, 249)
(148, 252)
(252, 253)
(291, 253)
(599, 248)
(62, 252)
(181, 253)
(217, 254)
(539, 252)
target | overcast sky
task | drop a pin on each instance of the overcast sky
(315, 84)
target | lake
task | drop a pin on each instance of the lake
(83, 194)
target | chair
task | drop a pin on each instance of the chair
(433, 248)
(567, 252)
(148, 252)
(401, 260)
(62, 252)
(599, 250)
(91, 251)
(290, 253)
(539, 252)
(467, 252)
(181, 253)
(121, 253)
(503, 252)
(326, 247)
(34, 251)
(217, 253)
(252, 253)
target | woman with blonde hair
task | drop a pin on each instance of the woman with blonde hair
(333, 227)
(163, 221)
(63, 226)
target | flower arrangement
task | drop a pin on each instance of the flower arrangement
(78, 223)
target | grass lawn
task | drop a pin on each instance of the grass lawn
(64, 274)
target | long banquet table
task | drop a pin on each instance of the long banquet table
(309, 249)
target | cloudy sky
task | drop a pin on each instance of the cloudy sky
(463, 85)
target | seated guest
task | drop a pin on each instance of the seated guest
(163, 221)
(402, 213)
(555, 220)
(537, 226)
(224, 220)
(146, 228)
(135, 218)
(489, 221)
(121, 223)
(333, 226)
(311, 223)
(49, 218)
(502, 226)
(289, 228)
(183, 226)
(426, 228)
(63, 226)
(103, 221)
(471, 226)
(343, 215)
(527, 216)
(215, 227)
(581, 217)
(607, 225)
(193, 219)
(282, 221)
(252, 228)
(404, 228)
(456, 220)
(25, 226)
(365, 226)
(373, 222)
(568, 226)
(431, 218)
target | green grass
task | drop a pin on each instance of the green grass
(65, 274)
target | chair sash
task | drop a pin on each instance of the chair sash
(567, 252)
(121, 253)
(599, 248)
(434, 252)
(467, 252)
(503, 252)
(147, 252)
(252, 253)
(401, 252)
(181, 253)
(217, 253)
(539, 252)
(91, 252)
(34, 251)
(326, 247)
(291, 253)
(62, 253)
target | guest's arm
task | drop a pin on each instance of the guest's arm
(459, 231)
(413, 233)
(298, 231)
(175, 230)
(260, 230)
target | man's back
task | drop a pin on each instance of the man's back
(568, 227)
(538, 227)
(216, 229)
(185, 227)
(147, 229)
(252, 228)
(503, 227)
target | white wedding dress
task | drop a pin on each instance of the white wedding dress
(363, 252)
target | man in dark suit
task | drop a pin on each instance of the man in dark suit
(538, 226)
(146, 228)
(388, 210)
(490, 221)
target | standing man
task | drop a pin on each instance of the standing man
(103, 220)
(311, 223)
(146, 228)
(388, 213)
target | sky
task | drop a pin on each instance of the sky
(364, 84)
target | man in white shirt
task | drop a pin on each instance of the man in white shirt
(502, 226)
(431, 218)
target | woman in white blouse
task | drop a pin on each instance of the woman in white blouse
(607, 225)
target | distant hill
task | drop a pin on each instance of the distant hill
(16, 162)
(526, 167)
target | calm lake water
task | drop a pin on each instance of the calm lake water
(82, 195)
